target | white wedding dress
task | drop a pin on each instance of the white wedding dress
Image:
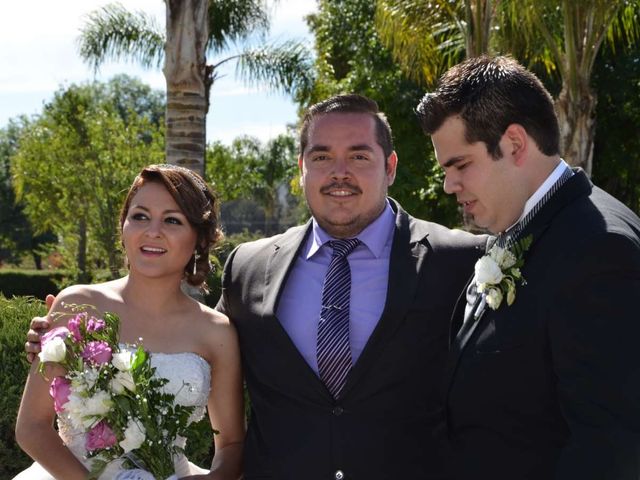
(189, 378)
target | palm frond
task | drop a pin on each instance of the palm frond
(114, 33)
(285, 67)
(425, 38)
(235, 20)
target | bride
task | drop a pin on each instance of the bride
(168, 225)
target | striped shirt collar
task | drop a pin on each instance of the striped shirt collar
(553, 177)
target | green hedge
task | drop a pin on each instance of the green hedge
(15, 315)
(34, 283)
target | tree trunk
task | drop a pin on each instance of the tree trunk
(185, 73)
(577, 127)
(479, 16)
(81, 254)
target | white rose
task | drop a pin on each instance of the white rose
(122, 360)
(488, 271)
(503, 257)
(53, 351)
(494, 298)
(74, 409)
(122, 381)
(98, 405)
(134, 436)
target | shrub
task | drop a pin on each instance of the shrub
(35, 283)
(15, 315)
(218, 259)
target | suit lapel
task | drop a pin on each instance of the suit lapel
(578, 185)
(461, 333)
(404, 265)
(279, 264)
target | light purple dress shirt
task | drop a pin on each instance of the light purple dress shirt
(299, 306)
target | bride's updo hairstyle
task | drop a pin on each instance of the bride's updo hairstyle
(198, 203)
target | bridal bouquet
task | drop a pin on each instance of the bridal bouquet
(111, 395)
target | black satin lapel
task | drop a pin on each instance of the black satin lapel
(278, 267)
(457, 317)
(404, 265)
(577, 186)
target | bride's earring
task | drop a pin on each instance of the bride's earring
(195, 261)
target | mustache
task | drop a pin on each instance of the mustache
(340, 186)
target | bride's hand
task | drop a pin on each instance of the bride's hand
(38, 327)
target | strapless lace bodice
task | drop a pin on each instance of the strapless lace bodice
(189, 378)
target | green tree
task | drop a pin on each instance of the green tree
(73, 164)
(194, 28)
(616, 165)
(263, 173)
(350, 58)
(16, 234)
(563, 36)
(427, 38)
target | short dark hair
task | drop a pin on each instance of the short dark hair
(198, 203)
(349, 103)
(489, 94)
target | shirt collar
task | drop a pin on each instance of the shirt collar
(542, 190)
(374, 236)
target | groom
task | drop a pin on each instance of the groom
(548, 386)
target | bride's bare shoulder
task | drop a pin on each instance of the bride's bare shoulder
(214, 327)
(98, 296)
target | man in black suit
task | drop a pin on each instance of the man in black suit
(406, 275)
(543, 379)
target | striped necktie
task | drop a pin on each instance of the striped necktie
(333, 351)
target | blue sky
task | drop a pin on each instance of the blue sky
(38, 54)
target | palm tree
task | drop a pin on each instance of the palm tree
(426, 38)
(564, 36)
(194, 28)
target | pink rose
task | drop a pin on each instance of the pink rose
(97, 352)
(100, 436)
(74, 326)
(60, 390)
(95, 324)
(58, 332)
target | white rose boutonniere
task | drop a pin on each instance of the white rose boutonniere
(498, 272)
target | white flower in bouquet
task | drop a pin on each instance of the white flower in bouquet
(134, 435)
(487, 271)
(122, 381)
(99, 404)
(75, 410)
(122, 360)
(54, 350)
(86, 379)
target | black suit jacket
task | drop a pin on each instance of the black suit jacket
(549, 387)
(384, 425)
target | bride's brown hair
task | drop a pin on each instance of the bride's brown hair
(198, 203)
